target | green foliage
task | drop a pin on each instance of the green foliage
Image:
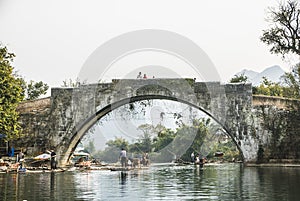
(239, 79)
(164, 138)
(274, 122)
(283, 36)
(284, 139)
(202, 130)
(111, 153)
(145, 143)
(228, 148)
(197, 131)
(269, 88)
(90, 147)
(165, 144)
(292, 79)
(190, 81)
(119, 143)
(35, 89)
(147, 128)
(11, 93)
(183, 138)
(71, 83)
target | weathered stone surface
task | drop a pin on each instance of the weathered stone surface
(61, 121)
(34, 119)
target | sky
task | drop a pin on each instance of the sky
(53, 39)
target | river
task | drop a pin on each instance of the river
(159, 182)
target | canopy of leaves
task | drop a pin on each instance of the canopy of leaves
(35, 89)
(284, 34)
(112, 151)
(11, 93)
(268, 88)
(164, 138)
(164, 143)
(119, 143)
(239, 79)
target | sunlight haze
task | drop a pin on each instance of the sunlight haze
(53, 39)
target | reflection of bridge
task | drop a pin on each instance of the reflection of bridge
(62, 120)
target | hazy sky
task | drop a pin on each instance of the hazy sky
(53, 39)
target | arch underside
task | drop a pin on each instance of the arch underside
(82, 128)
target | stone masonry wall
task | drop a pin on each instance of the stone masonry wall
(60, 122)
(229, 104)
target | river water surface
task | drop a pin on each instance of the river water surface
(159, 182)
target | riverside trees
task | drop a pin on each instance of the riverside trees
(11, 94)
(162, 144)
(283, 37)
(13, 90)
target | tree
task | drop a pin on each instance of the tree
(284, 35)
(11, 94)
(164, 138)
(284, 38)
(144, 144)
(35, 89)
(147, 128)
(119, 143)
(111, 153)
(90, 147)
(239, 78)
(198, 132)
(268, 88)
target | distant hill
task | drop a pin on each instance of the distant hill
(273, 73)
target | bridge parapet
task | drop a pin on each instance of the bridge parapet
(34, 106)
(278, 102)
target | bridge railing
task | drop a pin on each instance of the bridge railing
(34, 105)
(279, 102)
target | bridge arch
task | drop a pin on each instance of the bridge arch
(82, 128)
(59, 122)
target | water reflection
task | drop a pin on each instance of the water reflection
(281, 183)
(216, 182)
(123, 177)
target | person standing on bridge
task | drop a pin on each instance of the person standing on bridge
(139, 76)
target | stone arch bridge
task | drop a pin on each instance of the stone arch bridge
(59, 122)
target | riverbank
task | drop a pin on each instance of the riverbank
(272, 164)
